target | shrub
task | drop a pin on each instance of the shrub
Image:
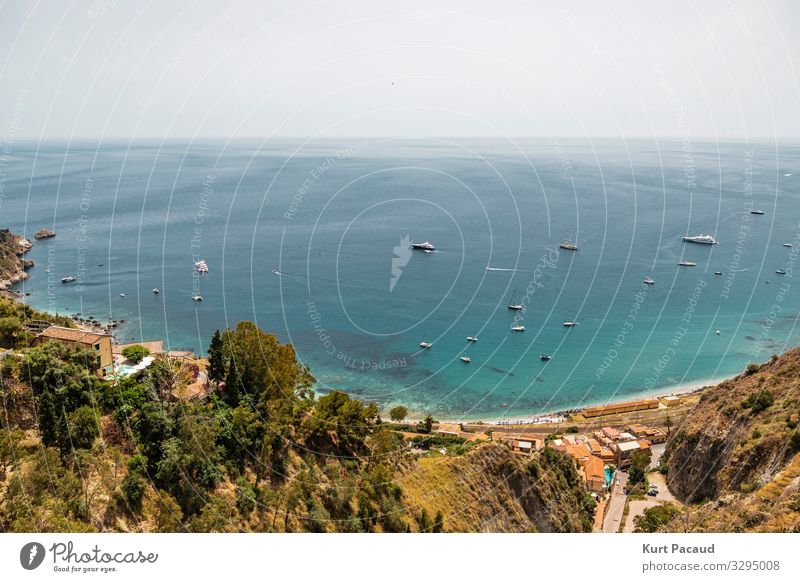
(398, 413)
(135, 353)
(572, 430)
(751, 369)
(654, 518)
(759, 401)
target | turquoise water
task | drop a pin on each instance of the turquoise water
(332, 215)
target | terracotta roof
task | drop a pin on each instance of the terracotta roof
(594, 469)
(73, 335)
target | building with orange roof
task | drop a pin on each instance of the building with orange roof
(594, 472)
(100, 343)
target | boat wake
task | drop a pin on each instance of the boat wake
(503, 269)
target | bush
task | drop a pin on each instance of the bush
(654, 518)
(759, 401)
(135, 353)
(398, 413)
(572, 430)
(751, 369)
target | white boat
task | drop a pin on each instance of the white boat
(425, 344)
(787, 245)
(718, 272)
(201, 266)
(570, 323)
(757, 212)
(156, 291)
(518, 328)
(423, 246)
(687, 263)
(122, 294)
(465, 359)
(197, 297)
(276, 272)
(472, 338)
(649, 281)
(701, 239)
(717, 332)
(545, 357)
(566, 245)
(780, 271)
(68, 279)
(513, 305)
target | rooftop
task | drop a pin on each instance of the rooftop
(73, 335)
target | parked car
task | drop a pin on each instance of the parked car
(653, 492)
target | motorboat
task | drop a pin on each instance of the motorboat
(518, 328)
(156, 291)
(701, 239)
(465, 359)
(197, 297)
(718, 272)
(513, 305)
(201, 266)
(780, 271)
(568, 246)
(570, 323)
(788, 245)
(423, 246)
(545, 357)
(425, 344)
(687, 263)
(276, 272)
(649, 281)
(757, 212)
(472, 338)
(122, 294)
(68, 279)
(718, 332)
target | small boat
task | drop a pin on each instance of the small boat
(99, 264)
(757, 212)
(472, 338)
(788, 245)
(156, 291)
(687, 263)
(717, 332)
(780, 272)
(518, 328)
(570, 323)
(700, 239)
(718, 272)
(197, 297)
(68, 279)
(201, 266)
(122, 294)
(465, 359)
(568, 246)
(649, 281)
(276, 272)
(423, 246)
(425, 344)
(545, 357)
(513, 305)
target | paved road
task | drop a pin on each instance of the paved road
(637, 507)
(616, 505)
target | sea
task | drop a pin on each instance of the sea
(311, 240)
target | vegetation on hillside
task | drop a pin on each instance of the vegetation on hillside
(261, 453)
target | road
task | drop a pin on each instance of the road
(616, 505)
(637, 507)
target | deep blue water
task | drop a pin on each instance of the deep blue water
(330, 215)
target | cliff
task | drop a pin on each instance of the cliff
(12, 267)
(735, 459)
(490, 489)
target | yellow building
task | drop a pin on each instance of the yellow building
(99, 342)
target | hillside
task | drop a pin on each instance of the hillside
(12, 247)
(261, 453)
(736, 457)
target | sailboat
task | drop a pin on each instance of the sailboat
(514, 306)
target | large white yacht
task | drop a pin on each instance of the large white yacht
(701, 239)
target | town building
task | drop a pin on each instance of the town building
(100, 343)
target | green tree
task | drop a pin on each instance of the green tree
(639, 463)
(134, 484)
(82, 428)
(217, 360)
(438, 522)
(398, 413)
(425, 523)
(654, 518)
(136, 353)
(428, 423)
(11, 332)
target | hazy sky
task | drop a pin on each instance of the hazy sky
(177, 68)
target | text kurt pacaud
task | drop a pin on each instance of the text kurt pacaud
(676, 549)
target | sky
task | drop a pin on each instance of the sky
(177, 69)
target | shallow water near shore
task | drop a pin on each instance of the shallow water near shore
(335, 218)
